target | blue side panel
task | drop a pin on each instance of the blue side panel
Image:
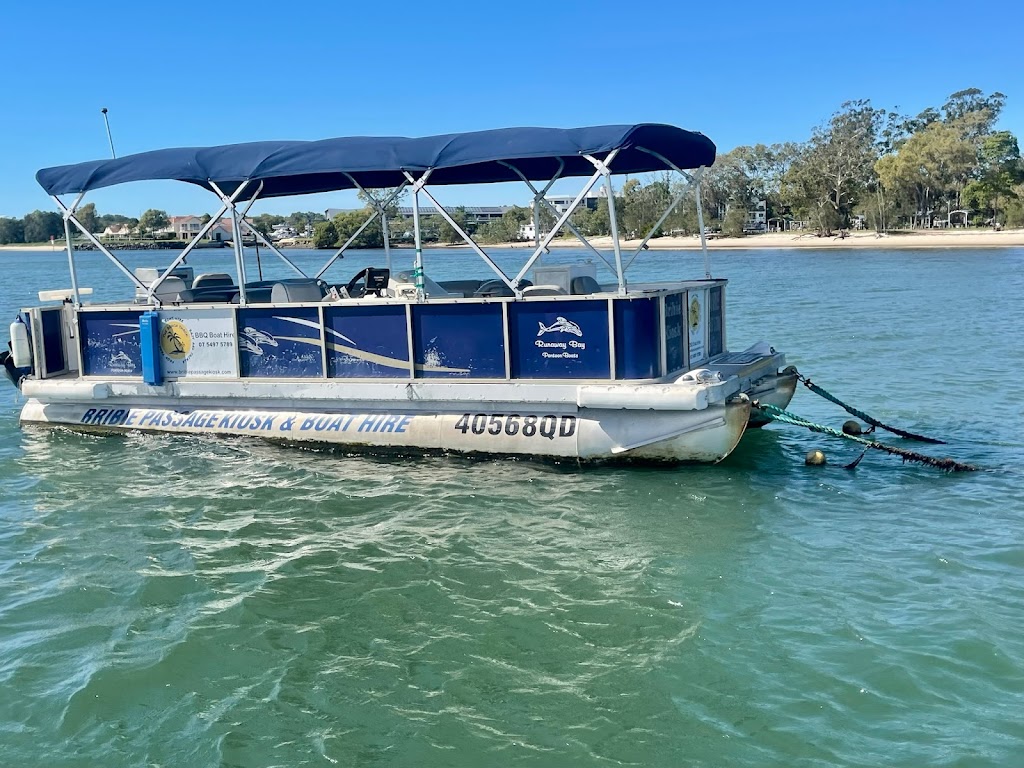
(149, 344)
(279, 343)
(460, 340)
(559, 339)
(637, 353)
(110, 343)
(53, 340)
(674, 340)
(716, 335)
(367, 342)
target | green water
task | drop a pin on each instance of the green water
(192, 602)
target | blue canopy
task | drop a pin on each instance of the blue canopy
(304, 167)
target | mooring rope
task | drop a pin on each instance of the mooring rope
(778, 414)
(861, 415)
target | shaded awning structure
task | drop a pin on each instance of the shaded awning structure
(306, 167)
(240, 174)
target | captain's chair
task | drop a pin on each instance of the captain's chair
(213, 280)
(295, 291)
(584, 285)
(171, 291)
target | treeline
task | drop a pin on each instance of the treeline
(41, 226)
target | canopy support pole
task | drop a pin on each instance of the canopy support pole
(694, 180)
(69, 217)
(236, 234)
(417, 270)
(469, 240)
(561, 222)
(538, 196)
(381, 208)
(339, 254)
(602, 168)
(259, 236)
(71, 252)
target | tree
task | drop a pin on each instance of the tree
(40, 226)
(446, 233)
(347, 223)
(999, 173)
(325, 235)
(832, 171)
(153, 220)
(11, 231)
(86, 216)
(931, 166)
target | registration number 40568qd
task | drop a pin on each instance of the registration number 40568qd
(511, 424)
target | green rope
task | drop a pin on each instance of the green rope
(785, 417)
(863, 416)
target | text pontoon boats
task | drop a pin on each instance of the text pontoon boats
(546, 362)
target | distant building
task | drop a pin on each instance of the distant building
(757, 217)
(187, 227)
(118, 232)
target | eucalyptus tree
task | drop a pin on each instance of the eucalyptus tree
(999, 174)
(931, 167)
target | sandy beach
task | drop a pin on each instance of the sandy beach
(924, 239)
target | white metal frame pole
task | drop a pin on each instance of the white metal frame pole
(698, 174)
(381, 207)
(417, 270)
(700, 223)
(539, 196)
(69, 214)
(469, 240)
(236, 238)
(561, 222)
(613, 223)
(339, 254)
(71, 250)
(260, 237)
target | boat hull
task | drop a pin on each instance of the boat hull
(572, 433)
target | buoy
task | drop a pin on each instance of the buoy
(815, 458)
(852, 427)
(21, 351)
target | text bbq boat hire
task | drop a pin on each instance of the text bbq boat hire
(547, 362)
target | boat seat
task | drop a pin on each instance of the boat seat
(256, 294)
(213, 280)
(171, 291)
(544, 290)
(464, 287)
(295, 291)
(584, 285)
(493, 288)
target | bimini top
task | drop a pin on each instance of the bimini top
(304, 167)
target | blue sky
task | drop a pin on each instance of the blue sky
(191, 73)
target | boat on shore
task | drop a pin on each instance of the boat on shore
(548, 362)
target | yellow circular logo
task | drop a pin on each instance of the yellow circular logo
(175, 340)
(694, 313)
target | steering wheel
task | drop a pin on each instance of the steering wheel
(353, 292)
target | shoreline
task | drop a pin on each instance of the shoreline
(775, 240)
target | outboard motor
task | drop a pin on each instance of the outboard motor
(18, 362)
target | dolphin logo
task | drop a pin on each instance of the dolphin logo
(561, 325)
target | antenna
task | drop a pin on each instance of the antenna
(106, 122)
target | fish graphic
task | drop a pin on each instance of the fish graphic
(121, 360)
(259, 337)
(250, 346)
(561, 325)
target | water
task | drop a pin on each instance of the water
(191, 601)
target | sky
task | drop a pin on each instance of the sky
(198, 74)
